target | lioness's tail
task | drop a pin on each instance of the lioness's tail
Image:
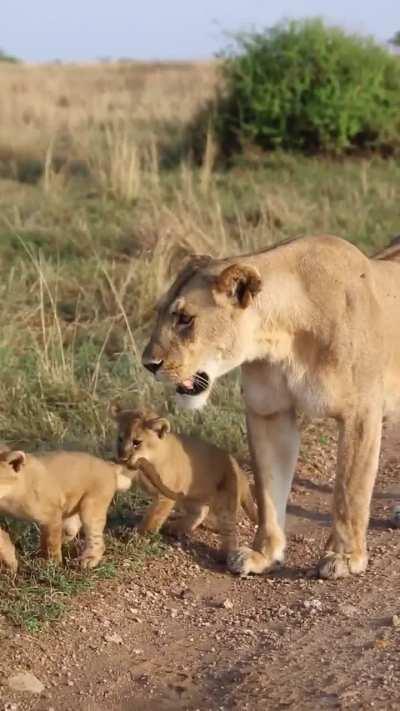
(248, 503)
(150, 473)
(392, 251)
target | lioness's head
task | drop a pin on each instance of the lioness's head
(204, 326)
(11, 464)
(139, 434)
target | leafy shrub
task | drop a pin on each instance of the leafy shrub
(306, 86)
(4, 57)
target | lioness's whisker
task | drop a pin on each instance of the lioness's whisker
(201, 381)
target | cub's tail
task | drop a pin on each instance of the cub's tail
(150, 473)
(248, 503)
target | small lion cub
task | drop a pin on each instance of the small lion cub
(61, 491)
(174, 467)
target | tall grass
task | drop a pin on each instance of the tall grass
(71, 105)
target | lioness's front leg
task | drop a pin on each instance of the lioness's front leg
(357, 465)
(274, 446)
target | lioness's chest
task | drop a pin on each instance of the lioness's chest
(268, 389)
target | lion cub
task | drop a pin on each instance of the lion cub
(61, 491)
(174, 467)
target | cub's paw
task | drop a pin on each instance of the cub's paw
(11, 565)
(145, 529)
(54, 558)
(340, 565)
(245, 560)
(89, 561)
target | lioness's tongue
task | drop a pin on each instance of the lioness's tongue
(188, 384)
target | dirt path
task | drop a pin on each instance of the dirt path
(183, 634)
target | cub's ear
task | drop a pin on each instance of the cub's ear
(161, 426)
(114, 408)
(16, 460)
(239, 282)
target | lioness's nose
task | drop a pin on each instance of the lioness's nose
(152, 365)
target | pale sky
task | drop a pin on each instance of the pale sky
(41, 30)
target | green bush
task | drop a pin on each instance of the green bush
(4, 57)
(306, 86)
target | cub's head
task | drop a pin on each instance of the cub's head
(204, 327)
(11, 466)
(139, 434)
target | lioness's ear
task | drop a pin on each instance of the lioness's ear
(16, 460)
(114, 409)
(161, 426)
(239, 282)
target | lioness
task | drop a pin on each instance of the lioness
(174, 467)
(61, 491)
(315, 326)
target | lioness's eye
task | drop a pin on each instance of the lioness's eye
(136, 443)
(183, 319)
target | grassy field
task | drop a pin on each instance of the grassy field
(98, 203)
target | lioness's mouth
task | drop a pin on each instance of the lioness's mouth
(195, 385)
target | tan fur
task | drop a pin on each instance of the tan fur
(7, 552)
(174, 467)
(315, 326)
(61, 491)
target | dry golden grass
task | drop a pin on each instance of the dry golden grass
(66, 106)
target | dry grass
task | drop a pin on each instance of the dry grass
(92, 221)
(67, 106)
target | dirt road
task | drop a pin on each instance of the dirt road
(183, 634)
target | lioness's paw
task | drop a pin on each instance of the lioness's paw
(245, 560)
(340, 565)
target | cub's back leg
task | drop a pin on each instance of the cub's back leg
(193, 518)
(71, 527)
(93, 513)
(226, 507)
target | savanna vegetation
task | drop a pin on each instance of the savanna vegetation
(303, 85)
(100, 197)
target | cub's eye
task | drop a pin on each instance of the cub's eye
(120, 439)
(136, 443)
(183, 319)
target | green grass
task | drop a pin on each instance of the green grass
(77, 267)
